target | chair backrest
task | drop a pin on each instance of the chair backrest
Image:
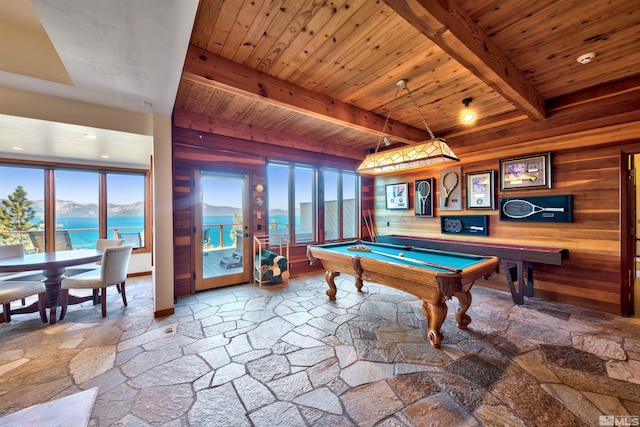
(115, 261)
(63, 241)
(10, 251)
(134, 239)
(101, 244)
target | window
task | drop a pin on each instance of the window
(278, 199)
(21, 205)
(304, 204)
(126, 208)
(350, 205)
(88, 205)
(341, 205)
(293, 199)
(291, 196)
(331, 212)
(77, 209)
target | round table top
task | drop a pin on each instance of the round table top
(49, 260)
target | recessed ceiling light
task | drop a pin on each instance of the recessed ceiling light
(15, 147)
(91, 136)
(586, 58)
(105, 156)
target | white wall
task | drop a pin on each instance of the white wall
(43, 107)
(163, 214)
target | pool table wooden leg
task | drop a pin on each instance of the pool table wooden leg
(435, 311)
(464, 298)
(359, 284)
(329, 276)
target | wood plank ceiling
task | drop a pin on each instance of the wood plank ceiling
(324, 73)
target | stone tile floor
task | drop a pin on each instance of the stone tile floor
(285, 355)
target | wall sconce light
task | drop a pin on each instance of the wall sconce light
(467, 115)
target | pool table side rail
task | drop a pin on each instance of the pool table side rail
(542, 255)
(466, 255)
(405, 278)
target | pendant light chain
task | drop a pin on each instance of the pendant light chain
(386, 122)
(424, 121)
(406, 157)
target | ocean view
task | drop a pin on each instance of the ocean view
(83, 231)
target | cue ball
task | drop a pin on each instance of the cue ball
(401, 254)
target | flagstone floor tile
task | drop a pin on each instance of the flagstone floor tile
(286, 355)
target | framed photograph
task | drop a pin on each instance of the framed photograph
(480, 187)
(398, 196)
(526, 172)
(423, 199)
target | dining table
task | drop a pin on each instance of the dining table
(53, 266)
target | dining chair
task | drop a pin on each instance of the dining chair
(63, 241)
(115, 261)
(101, 245)
(14, 290)
(134, 239)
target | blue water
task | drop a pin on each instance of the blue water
(214, 236)
(83, 231)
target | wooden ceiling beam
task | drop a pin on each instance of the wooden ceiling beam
(446, 24)
(201, 123)
(206, 68)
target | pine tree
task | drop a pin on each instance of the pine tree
(16, 214)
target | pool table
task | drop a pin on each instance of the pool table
(431, 275)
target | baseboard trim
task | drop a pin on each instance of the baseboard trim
(164, 313)
(139, 274)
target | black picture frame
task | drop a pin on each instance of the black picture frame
(557, 208)
(527, 172)
(423, 205)
(477, 225)
(480, 189)
(397, 196)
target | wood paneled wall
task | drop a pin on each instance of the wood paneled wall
(585, 164)
(203, 149)
(585, 148)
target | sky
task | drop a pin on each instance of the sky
(81, 187)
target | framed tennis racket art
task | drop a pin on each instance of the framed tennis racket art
(526, 172)
(480, 187)
(423, 200)
(450, 189)
(397, 196)
(464, 224)
(540, 209)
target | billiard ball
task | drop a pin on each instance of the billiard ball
(401, 254)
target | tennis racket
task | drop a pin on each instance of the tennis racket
(449, 183)
(424, 189)
(518, 209)
(454, 225)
